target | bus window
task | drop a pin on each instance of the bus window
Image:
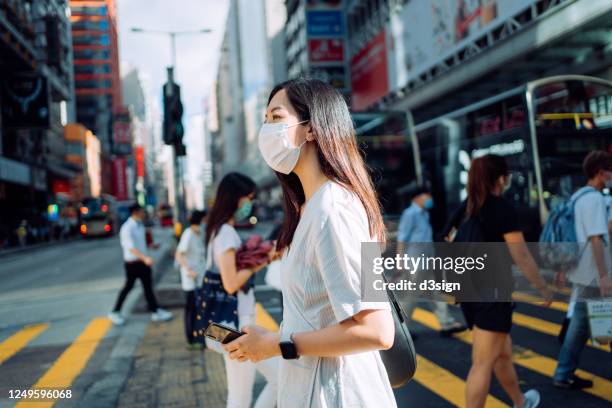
(573, 118)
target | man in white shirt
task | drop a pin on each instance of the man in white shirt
(592, 277)
(190, 254)
(138, 264)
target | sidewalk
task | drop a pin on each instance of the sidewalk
(165, 374)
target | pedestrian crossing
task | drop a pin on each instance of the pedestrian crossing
(442, 363)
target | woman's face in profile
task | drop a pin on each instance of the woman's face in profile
(280, 110)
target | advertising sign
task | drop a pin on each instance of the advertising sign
(120, 187)
(432, 30)
(369, 75)
(25, 101)
(326, 50)
(324, 23)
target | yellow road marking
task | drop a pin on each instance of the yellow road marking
(545, 327)
(72, 361)
(446, 384)
(534, 300)
(19, 340)
(263, 318)
(602, 388)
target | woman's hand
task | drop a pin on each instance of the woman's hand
(256, 344)
(274, 255)
(191, 273)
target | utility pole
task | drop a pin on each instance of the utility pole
(173, 126)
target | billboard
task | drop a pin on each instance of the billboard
(324, 23)
(120, 182)
(326, 50)
(25, 101)
(427, 32)
(369, 73)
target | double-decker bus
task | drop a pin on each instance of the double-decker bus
(98, 216)
(543, 128)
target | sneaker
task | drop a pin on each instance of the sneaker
(116, 318)
(575, 383)
(161, 315)
(532, 399)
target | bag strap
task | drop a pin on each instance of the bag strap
(587, 190)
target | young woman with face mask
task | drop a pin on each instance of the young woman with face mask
(233, 203)
(330, 337)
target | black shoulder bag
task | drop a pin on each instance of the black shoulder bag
(400, 360)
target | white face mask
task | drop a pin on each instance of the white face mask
(276, 148)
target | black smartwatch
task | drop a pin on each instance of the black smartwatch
(288, 350)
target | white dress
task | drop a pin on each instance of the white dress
(321, 285)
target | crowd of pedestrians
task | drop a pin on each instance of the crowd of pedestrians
(327, 350)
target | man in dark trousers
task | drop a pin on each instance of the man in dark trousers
(137, 266)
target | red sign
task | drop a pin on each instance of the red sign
(140, 161)
(369, 77)
(122, 132)
(61, 186)
(326, 50)
(120, 187)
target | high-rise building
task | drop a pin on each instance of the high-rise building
(35, 96)
(316, 35)
(96, 67)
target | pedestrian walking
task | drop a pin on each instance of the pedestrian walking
(415, 228)
(329, 337)
(233, 203)
(190, 255)
(137, 264)
(491, 321)
(592, 277)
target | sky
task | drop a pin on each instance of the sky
(197, 56)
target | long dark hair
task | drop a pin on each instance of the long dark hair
(339, 157)
(484, 173)
(232, 188)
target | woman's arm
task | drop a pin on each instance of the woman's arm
(367, 330)
(525, 262)
(232, 278)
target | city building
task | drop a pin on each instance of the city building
(96, 76)
(316, 37)
(438, 83)
(83, 151)
(35, 101)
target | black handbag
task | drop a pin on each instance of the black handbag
(400, 360)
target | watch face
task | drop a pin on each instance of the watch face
(288, 350)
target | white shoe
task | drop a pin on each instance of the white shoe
(116, 318)
(161, 315)
(532, 399)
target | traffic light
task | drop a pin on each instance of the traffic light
(173, 115)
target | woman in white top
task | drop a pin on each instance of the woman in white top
(233, 203)
(190, 255)
(329, 338)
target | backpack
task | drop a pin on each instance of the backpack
(558, 248)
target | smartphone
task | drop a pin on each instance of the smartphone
(221, 333)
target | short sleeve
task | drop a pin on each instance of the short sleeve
(183, 245)
(405, 227)
(226, 238)
(338, 256)
(593, 215)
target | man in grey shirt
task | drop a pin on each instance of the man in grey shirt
(592, 277)
(415, 228)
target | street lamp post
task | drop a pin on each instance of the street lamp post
(179, 191)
